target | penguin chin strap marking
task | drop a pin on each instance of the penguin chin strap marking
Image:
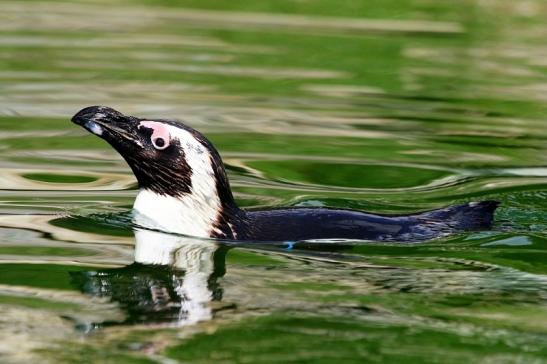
(194, 213)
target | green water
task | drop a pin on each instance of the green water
(385, 106)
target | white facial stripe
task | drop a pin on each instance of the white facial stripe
(194, 213)
(94, 127)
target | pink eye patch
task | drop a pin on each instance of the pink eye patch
(160, 134)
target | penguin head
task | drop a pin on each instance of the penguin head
(167, 157)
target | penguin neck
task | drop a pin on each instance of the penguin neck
(204, 212)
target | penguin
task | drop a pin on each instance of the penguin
(184, 189)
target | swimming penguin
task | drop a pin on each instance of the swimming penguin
(184, 189)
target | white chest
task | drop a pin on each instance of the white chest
(186, 215)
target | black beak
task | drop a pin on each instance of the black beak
(96, 114)
(107, 123)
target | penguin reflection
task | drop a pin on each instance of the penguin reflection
(173, 280)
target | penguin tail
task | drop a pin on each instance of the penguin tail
(469, 216)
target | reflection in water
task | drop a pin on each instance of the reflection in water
(406, 106)
(173, 280)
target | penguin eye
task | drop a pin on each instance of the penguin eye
(159, 143)
(160, 137)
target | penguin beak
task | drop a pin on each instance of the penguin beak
(109, 124)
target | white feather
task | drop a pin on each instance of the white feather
(196, 212)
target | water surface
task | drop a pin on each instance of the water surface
(390, 107)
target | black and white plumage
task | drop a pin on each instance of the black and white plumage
(184, 189)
